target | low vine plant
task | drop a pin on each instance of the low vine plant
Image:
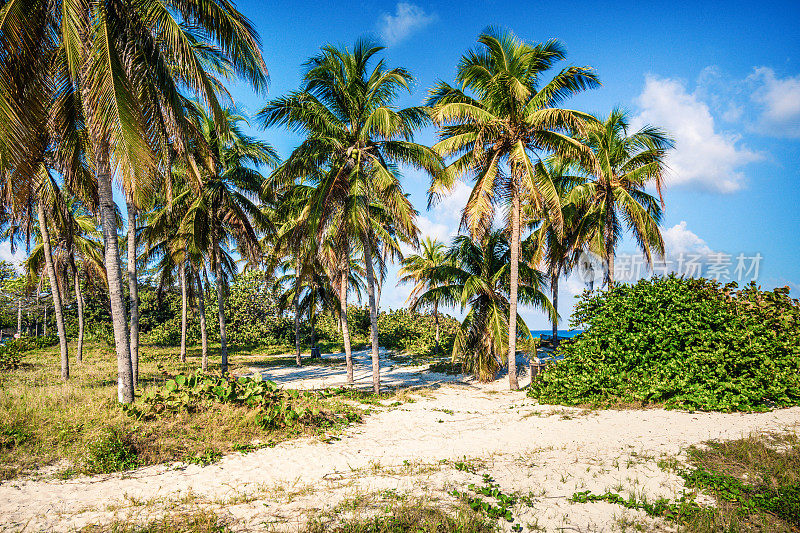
(502, 506)
(277, 408)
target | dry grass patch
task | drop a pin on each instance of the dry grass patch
(80, 425)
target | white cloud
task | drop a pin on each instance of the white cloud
(678, 239)
(16, 258)
(779, 102)
(704, 157)
(435, 230)
(407, 19)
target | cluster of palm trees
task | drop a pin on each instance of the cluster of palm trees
(99, 92)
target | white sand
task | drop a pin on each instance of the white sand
(544, 452)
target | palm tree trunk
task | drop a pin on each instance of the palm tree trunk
(51, 274)
(297, 309)
(19, 317)
(183, 311)
(114, 273)
(133, 288)
(609, 248)
(554, 287)
(201, 309)
(436, 320)
(44, 322)
(313, 328)
(348, 353)
(223, 338)
(514, 282)
(373, 315)
(79, 302)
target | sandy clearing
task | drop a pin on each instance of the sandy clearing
(544, 452)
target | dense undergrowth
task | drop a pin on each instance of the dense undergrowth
(684, 343)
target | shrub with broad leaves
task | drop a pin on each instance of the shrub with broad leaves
(685, 343)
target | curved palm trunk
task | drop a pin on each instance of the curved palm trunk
(183, 311)
(512, 315)
(223, 338)
(79, 301)
(201, 309)
(373, 315)
(554, 287)
(297, 311)
(133, 288)
(54, 291)
(114, 273)
(348, 353)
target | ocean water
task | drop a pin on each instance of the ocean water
(562, 333)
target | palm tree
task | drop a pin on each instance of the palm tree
(354, 137)
(75, 249)
(223, 212)
(559, 251)
(621, 167)
(129, 62)
(477, 275)
(167, 248)
(418, 269)
(499, 130)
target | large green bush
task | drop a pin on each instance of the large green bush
(684, 343)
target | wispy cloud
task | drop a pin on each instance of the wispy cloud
(779, 100)
(704, 157)
(407, 20)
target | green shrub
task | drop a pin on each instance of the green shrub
(684, 343)
(277, 407)
(111, 452)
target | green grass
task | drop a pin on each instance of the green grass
(44, 420)
(755, 481)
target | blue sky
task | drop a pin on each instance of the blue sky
(722, 78)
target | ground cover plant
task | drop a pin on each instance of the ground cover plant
(685, 343)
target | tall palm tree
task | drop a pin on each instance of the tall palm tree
(477, 275)
(622, 166)
(129, 62)
(354, 137)
(418, 269)
(223, 211)
(499, 128)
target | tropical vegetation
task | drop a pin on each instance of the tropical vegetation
(679, 342)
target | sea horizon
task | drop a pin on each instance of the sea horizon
(567, 333)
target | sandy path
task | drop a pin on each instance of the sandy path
(544, 452)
